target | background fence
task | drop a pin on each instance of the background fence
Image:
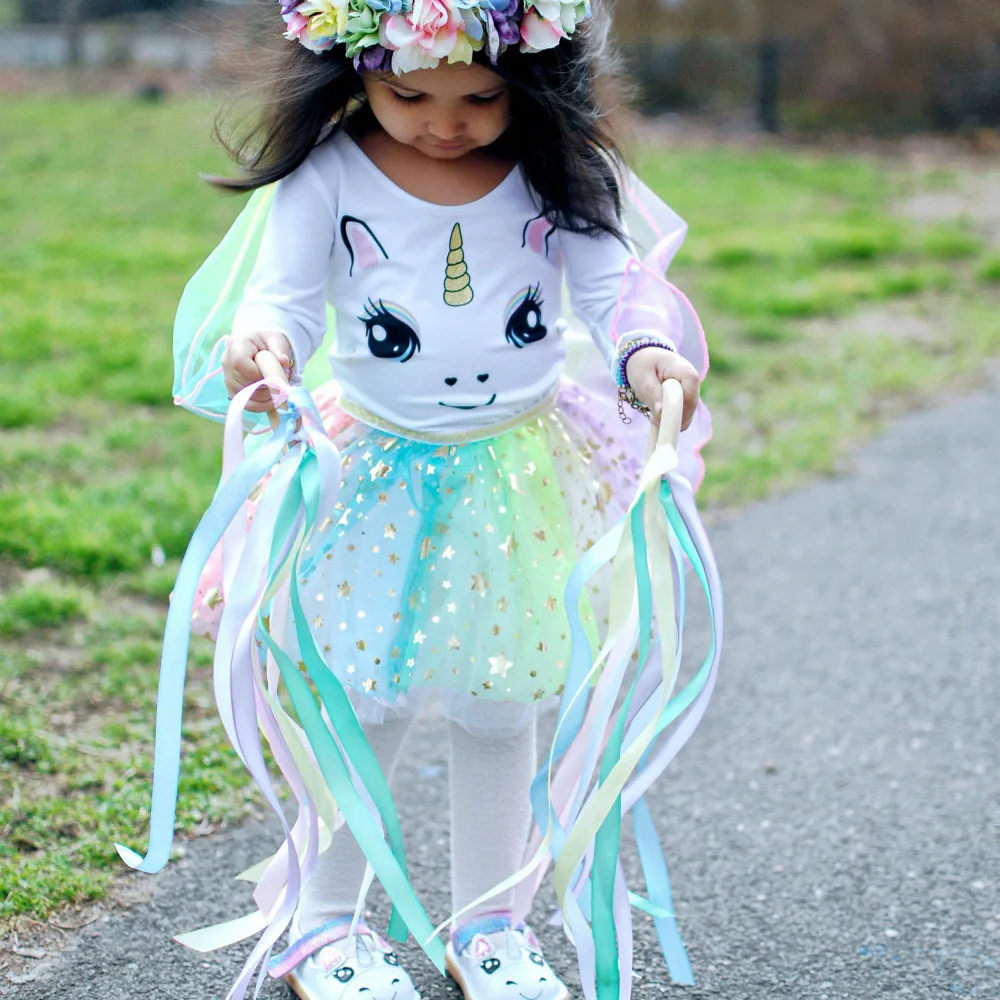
(894, 64)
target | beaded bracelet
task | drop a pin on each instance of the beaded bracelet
(626, 394)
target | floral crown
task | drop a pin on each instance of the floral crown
(404, 35)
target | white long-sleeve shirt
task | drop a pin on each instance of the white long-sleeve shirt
(446, 315)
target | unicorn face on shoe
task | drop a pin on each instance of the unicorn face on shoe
(372, 970)
(350, 967)
(507, 966)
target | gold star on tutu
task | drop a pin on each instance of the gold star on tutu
(509, 547)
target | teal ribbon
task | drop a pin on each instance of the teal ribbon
(387, 860)
(657, 878)
(173, 661)
(597, 897)
(297, 517)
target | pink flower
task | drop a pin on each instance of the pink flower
(425, 35)
(538, 34)
(297, 25)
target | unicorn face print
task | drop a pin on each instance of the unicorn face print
(511, 969)
(464, 327)
(364, 966)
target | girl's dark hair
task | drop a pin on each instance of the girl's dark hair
(558, 134)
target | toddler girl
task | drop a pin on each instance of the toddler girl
(442, 169)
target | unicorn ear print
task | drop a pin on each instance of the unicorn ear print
(481, 947)
(381, 944)
(529, 936)
(536, 233)
(330, 958)
(362, 244)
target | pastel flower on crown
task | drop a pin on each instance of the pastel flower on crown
(362, 27)
(388, 6)
(506, 17)
(406, 35)
(471, 39)
(376, 59)
(547, 22)
(296, 25)
(324, 23)
(424, 36)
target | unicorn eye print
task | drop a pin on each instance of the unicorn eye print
(390, 330)
(524, 317)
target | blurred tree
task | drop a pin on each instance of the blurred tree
(72, 25)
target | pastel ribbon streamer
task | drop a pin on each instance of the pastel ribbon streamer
(581, 828)
(260, 567)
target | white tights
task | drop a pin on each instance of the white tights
(490, 821)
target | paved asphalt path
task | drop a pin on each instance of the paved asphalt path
(832, 827)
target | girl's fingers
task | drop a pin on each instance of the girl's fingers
(671, 365)
(277, 344)
(691, 385)
(650, 367)
(240, 369)
(646, 385)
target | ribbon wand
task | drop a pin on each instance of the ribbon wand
(667, 430)
(270, 368)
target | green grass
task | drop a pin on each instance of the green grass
(75, 765)
(785, 249)
(105, 220)
(32, 608)
(989, 269)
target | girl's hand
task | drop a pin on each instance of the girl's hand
(650, 367)
(240, 369)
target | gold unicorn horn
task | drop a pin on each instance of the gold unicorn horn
(457, 283)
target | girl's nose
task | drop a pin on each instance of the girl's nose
(446, 128)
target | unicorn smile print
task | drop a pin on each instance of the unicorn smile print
(473, 406)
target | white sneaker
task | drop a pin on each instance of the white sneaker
(329, 963)
(500, 963)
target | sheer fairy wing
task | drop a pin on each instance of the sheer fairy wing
(649, 300)
(205, 315)
(658, 232)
